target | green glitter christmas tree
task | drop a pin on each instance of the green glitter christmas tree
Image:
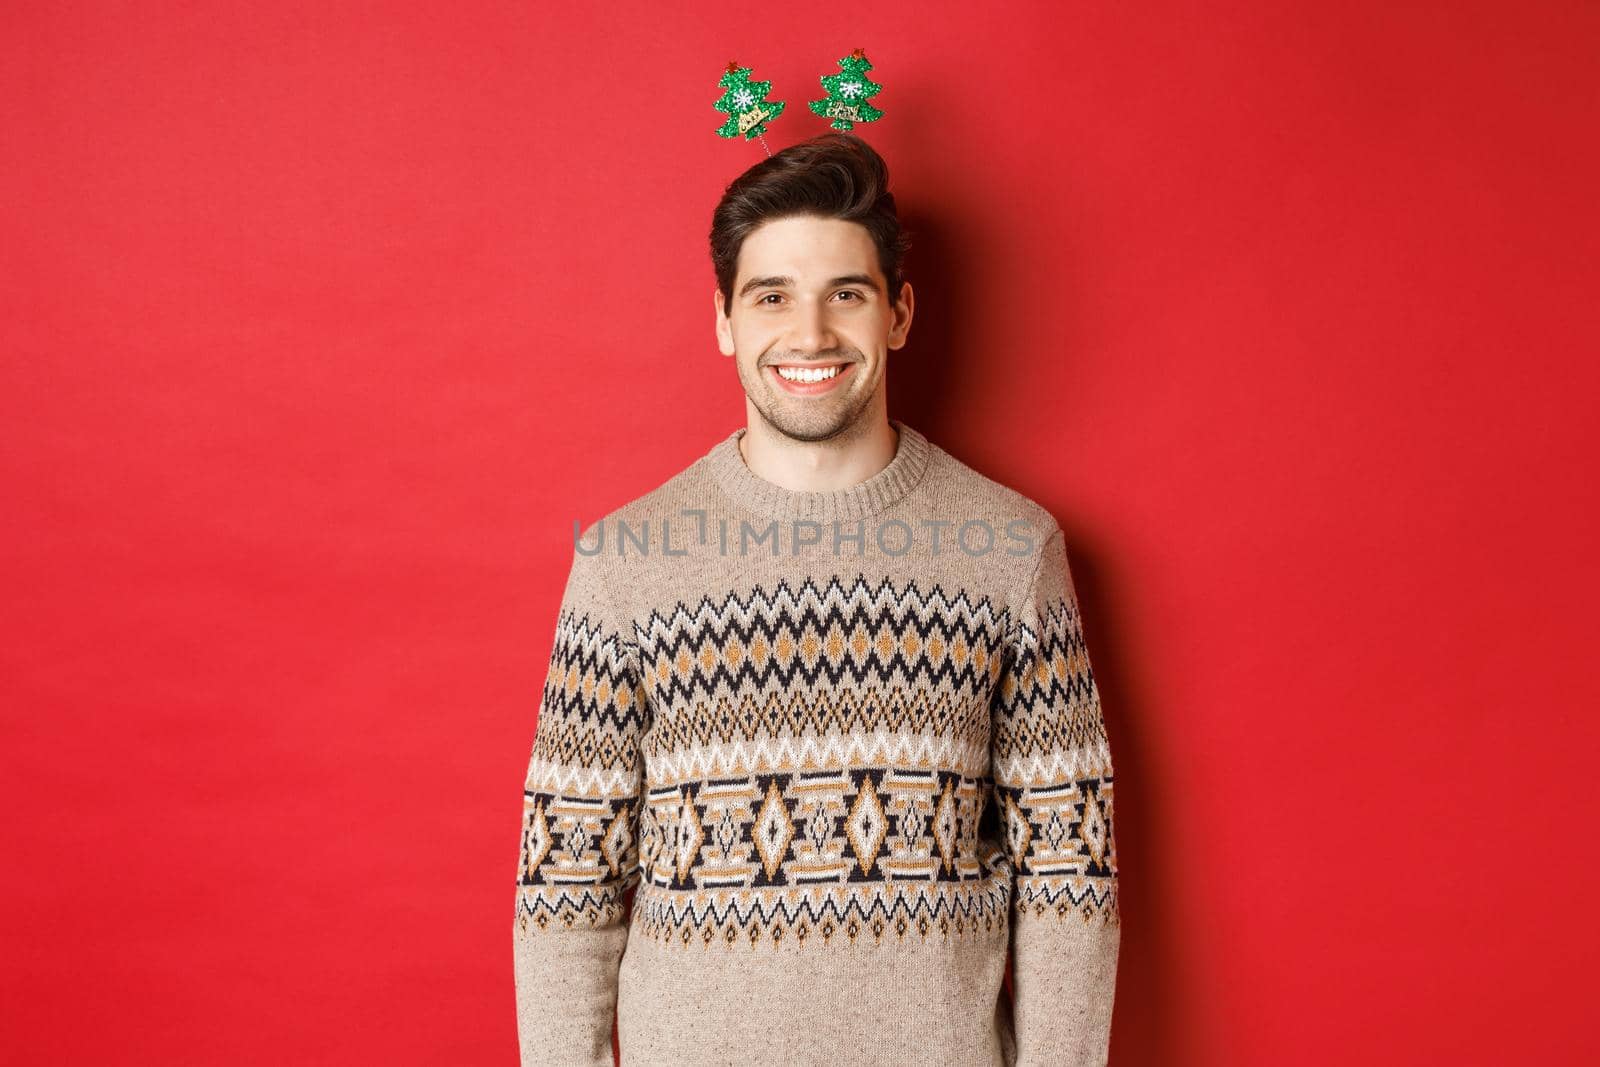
(848, 93)
(746, 105)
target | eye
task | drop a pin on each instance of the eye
(769, 296)
(849, 293)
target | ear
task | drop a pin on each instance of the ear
(724, 327)
(900, 326)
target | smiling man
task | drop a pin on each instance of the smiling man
(819, 748)
(812, 345)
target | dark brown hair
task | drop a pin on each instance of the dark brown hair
(834, 175)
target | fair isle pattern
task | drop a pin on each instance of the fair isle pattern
(796, 665)
(1052, 771)
(823, 913)
(865, 851)
(580, 800)
(819, 765)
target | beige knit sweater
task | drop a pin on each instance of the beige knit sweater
(848, 758)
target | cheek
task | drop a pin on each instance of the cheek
(750, 341)
(746, 353)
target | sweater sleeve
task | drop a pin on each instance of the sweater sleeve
(1051, 763)
(580, 812)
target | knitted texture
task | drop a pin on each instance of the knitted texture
(807, 768)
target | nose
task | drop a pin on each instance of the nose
(812, 331)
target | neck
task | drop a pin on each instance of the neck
(818, 466)
(872, 489)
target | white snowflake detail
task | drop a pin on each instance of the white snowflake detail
(849, 90)
(743, 99)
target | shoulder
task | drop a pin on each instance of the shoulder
(965, 493)
(684, 489)
(639, 521)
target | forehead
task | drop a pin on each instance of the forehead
(804, 246)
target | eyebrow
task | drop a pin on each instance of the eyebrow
(779, 281)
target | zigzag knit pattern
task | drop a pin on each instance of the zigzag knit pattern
(829, 742)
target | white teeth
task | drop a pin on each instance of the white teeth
(795, 374)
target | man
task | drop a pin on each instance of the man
(822, 699)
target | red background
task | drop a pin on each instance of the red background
(320, 328)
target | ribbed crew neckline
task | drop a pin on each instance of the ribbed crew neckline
(904, 472)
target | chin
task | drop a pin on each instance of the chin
(816, 426)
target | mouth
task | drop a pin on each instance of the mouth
(808, 379)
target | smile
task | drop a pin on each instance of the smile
(810, 380)
(807, 374)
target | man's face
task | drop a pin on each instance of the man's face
(811, 325)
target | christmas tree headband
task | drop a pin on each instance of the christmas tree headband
(748, 109)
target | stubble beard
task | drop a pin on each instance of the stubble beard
(822, 419)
